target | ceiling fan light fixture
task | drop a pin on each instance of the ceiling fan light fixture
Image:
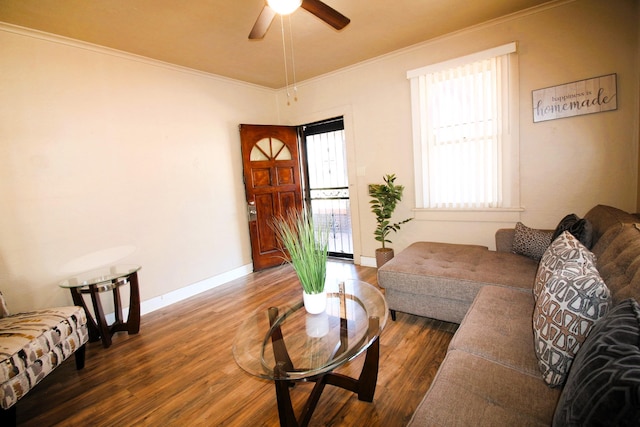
(284, 7)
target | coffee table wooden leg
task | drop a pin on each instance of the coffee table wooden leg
(285, 408)
(280, 353)
(369, 375)
(312, 401)
(365, 385)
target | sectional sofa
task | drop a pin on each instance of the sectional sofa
(534, 345)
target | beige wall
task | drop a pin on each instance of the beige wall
(567, 165)
(106, 157)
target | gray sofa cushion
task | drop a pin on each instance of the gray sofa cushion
(505, 335)
(471, 390)
(463, 266)
(440, 280)
(603, 218)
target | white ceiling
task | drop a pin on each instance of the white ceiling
(212, 35)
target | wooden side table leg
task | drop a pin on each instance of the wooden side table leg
(103, 328)
(94, 333)
(133, 320)
(117, 305)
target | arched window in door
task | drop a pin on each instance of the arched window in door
(269, 149)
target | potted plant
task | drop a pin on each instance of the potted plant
(306, 245)
(385, 197)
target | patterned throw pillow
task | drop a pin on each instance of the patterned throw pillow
(531, 242)
(564, 248)
(580, 228)
(572, 301)
(603, 387)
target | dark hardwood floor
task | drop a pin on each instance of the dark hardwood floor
(179, 370)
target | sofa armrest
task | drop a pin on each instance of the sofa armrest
(504, 239)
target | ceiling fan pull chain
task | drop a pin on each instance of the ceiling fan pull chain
(284, 51)
(293, 63)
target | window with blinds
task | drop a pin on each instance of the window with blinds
(463, 129)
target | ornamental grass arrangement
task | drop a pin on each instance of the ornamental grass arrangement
(307, 246)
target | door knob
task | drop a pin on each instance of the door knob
(252, 211)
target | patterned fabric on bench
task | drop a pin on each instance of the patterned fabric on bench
(33, 344)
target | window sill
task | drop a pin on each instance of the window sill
(469, 215)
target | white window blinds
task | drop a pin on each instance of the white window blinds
(461, 120)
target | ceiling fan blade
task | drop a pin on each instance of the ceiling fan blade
(326, 13)
(262, 23)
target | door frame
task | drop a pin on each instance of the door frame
(306, 188)
(354, 173)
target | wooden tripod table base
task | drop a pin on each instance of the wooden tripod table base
(364, 386)
(285, 344)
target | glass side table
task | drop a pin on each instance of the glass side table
(107, 279)
(284, 344)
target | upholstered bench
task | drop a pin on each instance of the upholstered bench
(32, 345)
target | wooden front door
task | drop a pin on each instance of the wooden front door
(272, 185)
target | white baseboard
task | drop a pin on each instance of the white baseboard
(368, 261)
(173, 297)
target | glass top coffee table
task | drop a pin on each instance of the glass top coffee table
(284, 343)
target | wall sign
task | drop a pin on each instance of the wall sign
(575, 99)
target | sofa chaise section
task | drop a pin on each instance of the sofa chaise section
(441, 280)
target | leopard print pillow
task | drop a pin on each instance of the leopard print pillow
(531, 242)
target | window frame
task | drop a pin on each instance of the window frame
(510, 180)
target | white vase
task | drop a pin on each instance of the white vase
(315, 303)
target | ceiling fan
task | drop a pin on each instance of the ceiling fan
(274, 7)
